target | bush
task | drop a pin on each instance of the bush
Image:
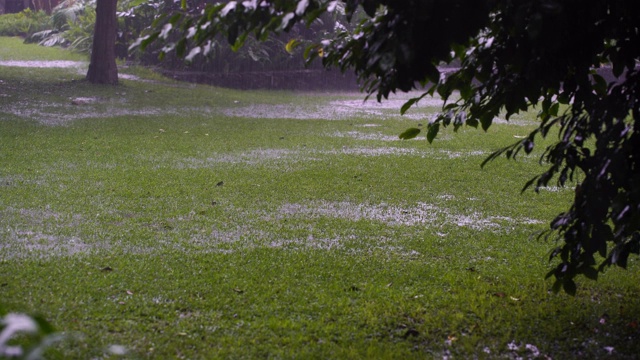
(24, 23)
(25, 337)
(71, 25)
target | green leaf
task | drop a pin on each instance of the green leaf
(432, 131)
(459, 120)
(569, 287)
(550, 273)
(311, 52)
(529, 183)
(433, 74)
(369, 7)
(44, 325)
(291, 45)
(486, 121)
(406, 106)
(553, 110)
(174, 19)
(600, 84)
(546, 104)
(618, 68)
(528, 145)
(590, 273)
(181, 47)
(239, 42)
(232, 35)
(409, 133)
(602, 249)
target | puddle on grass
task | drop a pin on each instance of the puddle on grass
(30, 232)
(294, 218)
(285, 156)
(44, 63)
(354, 106)
(64, 64)
(289, 156)
(56, 114)
(21, 244)
(358, 135)
(422, 214)
(334, 110)
(253, 157)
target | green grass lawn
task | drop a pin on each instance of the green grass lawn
(187, 221)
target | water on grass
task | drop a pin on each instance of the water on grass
(423, 214)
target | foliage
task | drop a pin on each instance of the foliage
(72, 26)
(79, 34)
(40, 336)
(513, 55)
(23, 23)
(270, 54)
(73, 23)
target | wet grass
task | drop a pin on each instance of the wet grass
(173, 220)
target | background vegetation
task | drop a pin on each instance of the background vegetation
(72, 22)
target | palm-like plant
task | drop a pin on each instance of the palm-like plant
(69, 24)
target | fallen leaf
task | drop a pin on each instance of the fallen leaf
(129, 292)
(514, 299)
(499, 294)
(106, 268)
(239, 291)
(220, 183)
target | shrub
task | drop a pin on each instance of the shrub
(24, 23)
(25, 337)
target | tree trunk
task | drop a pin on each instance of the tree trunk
(103, 69)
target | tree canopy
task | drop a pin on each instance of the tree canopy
(514, 55)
